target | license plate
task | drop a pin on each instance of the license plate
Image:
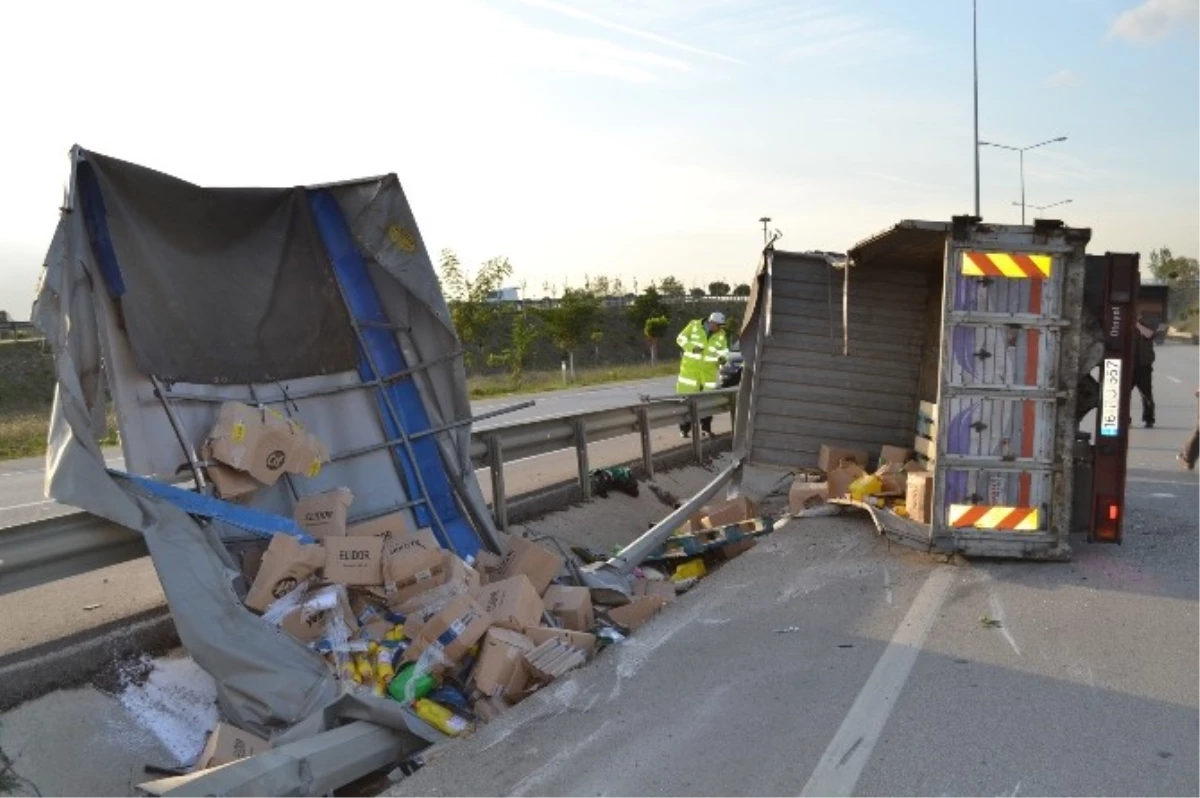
(1110, 399)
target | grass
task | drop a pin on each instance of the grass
(27, 392)
(542, 381)
(26, 396)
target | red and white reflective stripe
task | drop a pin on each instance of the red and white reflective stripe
(986, 516)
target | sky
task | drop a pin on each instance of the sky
(631, 139)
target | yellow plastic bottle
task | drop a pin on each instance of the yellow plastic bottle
(440, 718)
(864, 486)
(362, 663)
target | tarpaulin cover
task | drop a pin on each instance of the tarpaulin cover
(267, 682)
(169, 252)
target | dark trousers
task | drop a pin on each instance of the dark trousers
(1192, 449)
(705, 426)
(1143, 380)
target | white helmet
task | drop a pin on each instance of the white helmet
(717, 318)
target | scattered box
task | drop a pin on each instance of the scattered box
(896, 455)
(457, 627)
(830, 457)
(553, 659)
(394, 524)
(635, 614)
(284, 565)
(310, 621)
(530, 559)
(730, 511)
(839, 479)
(571, 605)
(807, 495)
(227, 744)
(354, 560)
(500, 669)
(264, 443)
(892, 478)
(918, 499)
(583, 641)
(656, 587)
(324, 514)
(512, 603)
(408, 572)
(229, 482)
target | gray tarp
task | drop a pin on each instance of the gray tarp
(267, 682)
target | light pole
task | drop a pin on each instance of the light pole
(1045, 207)
(1021, 152)
(765, 221)
(975, 57)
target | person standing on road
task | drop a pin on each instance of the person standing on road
(1143, 369)
(705, 347)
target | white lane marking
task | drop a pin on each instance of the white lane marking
(887, 585)
(1016, 790)
(998, 614)
(27, 504)
(1175, 380)
(539, 775)
(843, 762)
(1162, 495)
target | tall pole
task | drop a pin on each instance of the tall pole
(766, 237)
(975, 56)
(1022, 154)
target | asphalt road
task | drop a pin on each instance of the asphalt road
(22, 498)
(825, 662)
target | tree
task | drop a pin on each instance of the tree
(671, 287)
(742, 290)
(647, 305)
(1181, 275)
(525, 334)
(697, 293)
(572, 321)
(718, 289)
(471, 310)
(655, 328)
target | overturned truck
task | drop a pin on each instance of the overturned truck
(970, 345)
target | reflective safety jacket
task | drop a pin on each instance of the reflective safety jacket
(698, 371)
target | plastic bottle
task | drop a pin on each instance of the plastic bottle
(362, 663)
(421, 687)
(440, 718)
(866, 485)
(384, 672)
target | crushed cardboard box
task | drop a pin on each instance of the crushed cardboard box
(656, 587)
(635, 614)
(918, 498)
(227, 743)
(457, 627)
(896, 455)
(512, 603)
(724, 513)
(830, 457)
(584, 641)
(230, 483)
(841, 477)
(354, 560)
(553, 659)
(264, 443)
(806, 495)
(285, 564)
(309, 621)
(572, 606)
(530, 559)
(407, 574)
(500, 669)
(323, 515)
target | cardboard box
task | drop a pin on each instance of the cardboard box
(806, 495)
(458, 626)
(354, 560)
(730, 511)
(457, 583)
(552, 659)
(410, 572)
(838, 480)
(500, 669)
(512, 603)
(657, 587)
(308, 623)
(394, 524)
(581, 640)
(530, 559)
(893, 478)
(896, 455)
(229, 482)
(918, 498)
(830, 457)
(286, 563)
(635, 614)
(571, 605)
(264, 443)
(227, 744)
(409, 541)
(324, 514)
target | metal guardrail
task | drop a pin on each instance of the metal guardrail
(56, 548)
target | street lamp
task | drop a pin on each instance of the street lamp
(1044, 207)
(1021, 152)
(765, 221)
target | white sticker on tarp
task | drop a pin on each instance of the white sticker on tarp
(1110, 398)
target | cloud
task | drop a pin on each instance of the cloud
(1063, 77)
(1155, 19)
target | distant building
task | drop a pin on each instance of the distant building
(505, 295)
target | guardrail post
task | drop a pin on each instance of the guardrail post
(643, 415)
(496, 465)
(697, 434)
(581, 452)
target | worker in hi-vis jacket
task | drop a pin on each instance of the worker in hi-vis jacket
(705, 347)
